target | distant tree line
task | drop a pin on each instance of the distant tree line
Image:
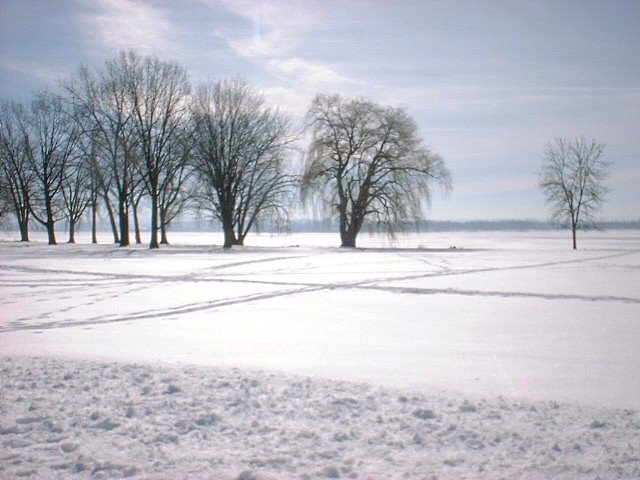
(134, 132)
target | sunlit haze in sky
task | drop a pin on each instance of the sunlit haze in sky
(489, 83)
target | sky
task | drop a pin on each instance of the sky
(489, 83)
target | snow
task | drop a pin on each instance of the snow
(509, 356)
(72, 419)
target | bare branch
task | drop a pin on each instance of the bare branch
(366, 160)
(240, 149)
(573, 180)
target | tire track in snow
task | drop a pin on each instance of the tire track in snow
(447, 273)
(163, 313)
(297, 288)
(195, 307)
(194, 275)
(496, 293)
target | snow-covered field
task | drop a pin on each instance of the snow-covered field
(508, 356)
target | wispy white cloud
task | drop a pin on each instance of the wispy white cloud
(276, 27)
(313, 73)
(46, 74)
(124, 24)
(275, 30)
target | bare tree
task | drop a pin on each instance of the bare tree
(15, 172)
(174, 198)
(77, 186)
(366, 161)
(105, 111)
(52, 137)
(573, 179)
(137, 199)
(158, 91)
(96, 185)
(239, 157)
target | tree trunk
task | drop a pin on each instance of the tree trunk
(22, 214)
(50, 224)
(226, 217)
(229, 235)
(112, 219)
(229, 238)
(24, 229)
(239, 240)
(348, 232)
(163, 234)
(163, 227)
(154, 222)
(72, 232)
(124, 222)
(348, 240)
(573, 234)
(136, 223)
(94, 221)
(348, 236)
(51, 233)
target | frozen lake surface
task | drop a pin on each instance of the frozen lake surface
(484, 318)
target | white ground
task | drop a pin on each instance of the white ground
(509, 356)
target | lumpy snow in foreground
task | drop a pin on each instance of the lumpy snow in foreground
(509, 356)
(68, 419)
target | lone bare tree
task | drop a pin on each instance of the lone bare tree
(573, 179)
(239, 157)
(367, 161)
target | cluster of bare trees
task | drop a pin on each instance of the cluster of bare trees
(39, 179)
(111, 138)
(134, 133)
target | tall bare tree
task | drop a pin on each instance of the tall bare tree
(104, 109)
(573, 179)
(52, 136)
(15, 172)
(95, 183)
(77, 186)
(158, 91)
(367, 161)
(174, 197)
(239, 157)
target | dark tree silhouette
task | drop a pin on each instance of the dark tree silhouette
(573, 179)
(16, 176)
(76, 189)
(104, 111)
(158, 91)
(52, 137)
(239, 157)
(173, 198)
(366, 161)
